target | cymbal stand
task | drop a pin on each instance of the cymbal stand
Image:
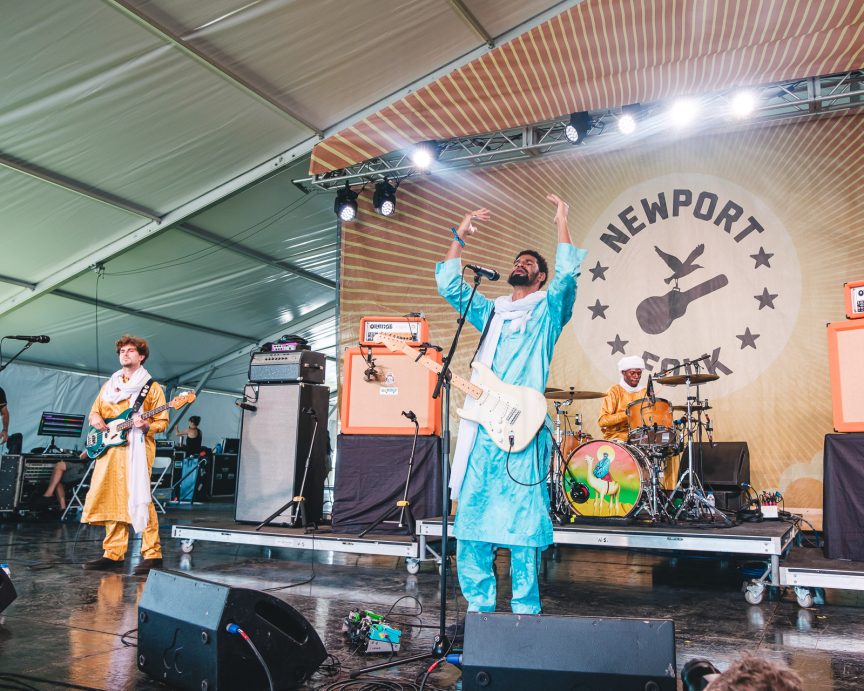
(693, 496)
(558, 505)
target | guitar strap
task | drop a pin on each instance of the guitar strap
(142, 395)
(483, 335)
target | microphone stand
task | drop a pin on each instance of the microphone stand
(403, 506)
(441, 644)
(300, 499)
(15, 356)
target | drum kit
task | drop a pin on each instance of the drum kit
(600, 478)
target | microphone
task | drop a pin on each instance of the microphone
(410, 415)
(709, 428)
(491, 274)
(681, 421)
(34, 339)
(246, 406)
(650, 390)
(309, 411)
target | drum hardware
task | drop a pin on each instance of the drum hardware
(564, 441)
(693, 501)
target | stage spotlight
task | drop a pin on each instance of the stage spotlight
(423, 154)
(683, 112)
(743, 104)
(578, 127)
(626, 124)
(384, 198)
(345, 206)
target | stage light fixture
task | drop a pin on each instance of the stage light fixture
(345, 206)
(384, 198)
(424, 153)
(626, 124)
(577, 129)
(683, 112)
(743, 104)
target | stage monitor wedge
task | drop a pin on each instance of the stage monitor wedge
(514, 652)
(183, 639)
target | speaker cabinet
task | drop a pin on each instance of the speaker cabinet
(725, 464)
(555, 653)
(275, 440)
(374, 405)
(7, 590)
(846, 367)
(183, 639)
(223, 481)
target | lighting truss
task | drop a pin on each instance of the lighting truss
(806, 97)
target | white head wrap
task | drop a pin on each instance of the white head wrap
(630, 362)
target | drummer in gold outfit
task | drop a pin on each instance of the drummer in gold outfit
(613, 411)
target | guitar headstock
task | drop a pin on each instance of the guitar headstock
(182, 399)
(394, 343)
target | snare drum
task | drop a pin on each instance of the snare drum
(605, 478)
(651, 423)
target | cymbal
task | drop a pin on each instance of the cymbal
(693, 408)
(682, 379)
(563, 395)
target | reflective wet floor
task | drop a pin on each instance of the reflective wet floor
(70, 626)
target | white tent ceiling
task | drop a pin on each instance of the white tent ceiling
(158, 140)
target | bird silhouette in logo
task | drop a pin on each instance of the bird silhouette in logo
(679, 268)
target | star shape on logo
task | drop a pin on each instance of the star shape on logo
(598, 271)
(761, 258)
(618, 345)
(748, 339)
(766, 299)
(598, 310)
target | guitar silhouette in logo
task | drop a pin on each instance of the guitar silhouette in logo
(655, 314)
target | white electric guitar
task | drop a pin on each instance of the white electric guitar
(511, 415)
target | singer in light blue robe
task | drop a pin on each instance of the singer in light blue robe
(505, 502)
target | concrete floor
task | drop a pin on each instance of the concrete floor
(67, 624)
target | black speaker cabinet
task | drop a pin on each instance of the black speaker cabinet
(725, 464)
(275, 440)
(223, 480)
(7, 590)
(554, 653)
(183, 639)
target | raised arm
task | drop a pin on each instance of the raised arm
(561, 218)
(465, 230)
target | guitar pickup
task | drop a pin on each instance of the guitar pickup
(513, 415)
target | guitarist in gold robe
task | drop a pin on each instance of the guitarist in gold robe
(119, 494)
(503, 500)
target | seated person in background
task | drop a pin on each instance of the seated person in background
(613, 412)
(66, 474)
(193, 435)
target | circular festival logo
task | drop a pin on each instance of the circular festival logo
(683, 267)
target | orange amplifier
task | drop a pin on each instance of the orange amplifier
(413, 329)
(846, 366)
(374, 396)
(854, 299)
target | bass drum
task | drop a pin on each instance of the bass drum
(605, 478)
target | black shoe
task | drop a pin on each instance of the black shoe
(145, 565)
(456, 632)
(103, 564)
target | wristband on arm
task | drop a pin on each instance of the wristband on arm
(456, 237)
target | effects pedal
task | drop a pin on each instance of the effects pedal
(370, 633)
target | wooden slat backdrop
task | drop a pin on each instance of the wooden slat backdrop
(609, 53)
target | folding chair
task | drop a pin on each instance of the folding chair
(75, 500)
(161, 466)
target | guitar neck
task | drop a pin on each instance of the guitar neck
(459, 382)
(150, 413)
